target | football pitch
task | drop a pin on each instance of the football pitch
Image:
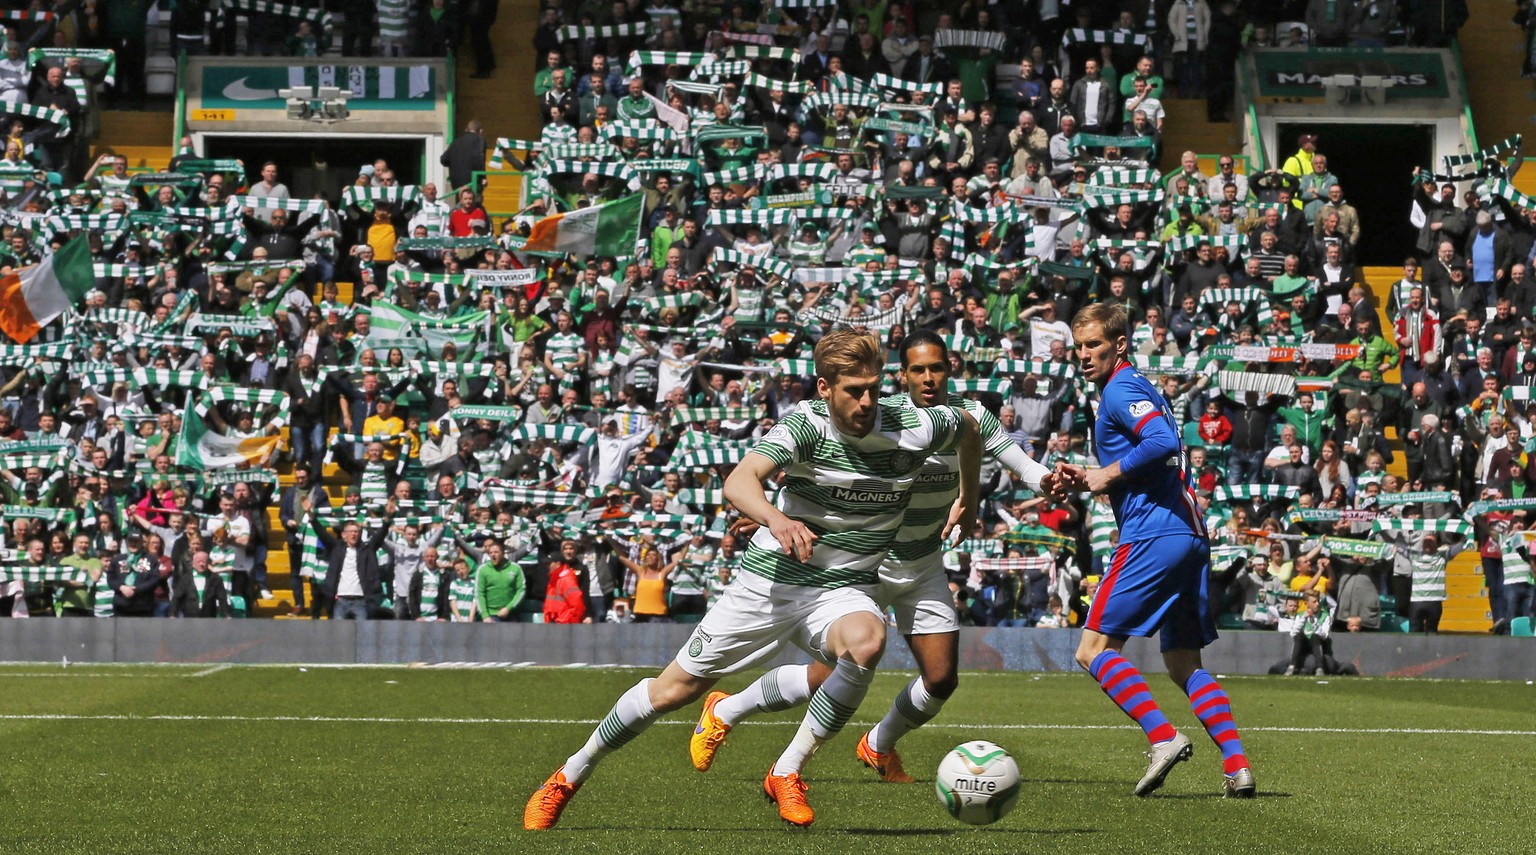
(210, 759)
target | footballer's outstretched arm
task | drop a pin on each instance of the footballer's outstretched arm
(1036, 475)
(744, 490)
(963, 515)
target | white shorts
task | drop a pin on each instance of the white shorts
(755, 617)
(917, 592)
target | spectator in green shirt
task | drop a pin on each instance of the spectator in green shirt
(635, 106)
(1004, 305)
(1291, 281)
(1307, 421)
(1377, 355)
(72, 599)
(524, 325)
(544, 80)
(499, 584)
(1143, 72)
(667, 232)
(1184, 226)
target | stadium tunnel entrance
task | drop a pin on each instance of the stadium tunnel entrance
(309, 164)
(1368, 160)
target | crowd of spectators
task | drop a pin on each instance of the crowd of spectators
(523, 434)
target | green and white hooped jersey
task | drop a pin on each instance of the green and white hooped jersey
(221, 560)
(1101, 527)
(564, 349)
(394, 19)
(1517, 571)
(749, 304)
(461, 592)
(938, 485)
(692, 576)
(374, 486)
(1428, 577)
(852, 492)
(431, 583)
(712, 581)
(101, 596)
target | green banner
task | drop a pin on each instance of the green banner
(157, 179)
(12, 512)
(1389, 499)
(1500, 505)
(879, 124)
(900, 192)
(221, 477)
(47, 443)
(1366, 549)
(1313, 515)
(233, 323)
(1294, 75)
(662, 165)
(795, 200)
(430, 244)
(373, 87)
(220, 165)
(1101, 141)
(488, 411)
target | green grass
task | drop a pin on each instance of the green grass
(255, 760)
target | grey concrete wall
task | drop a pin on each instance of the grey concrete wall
(653, 645)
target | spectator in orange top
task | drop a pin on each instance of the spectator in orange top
(563, 602)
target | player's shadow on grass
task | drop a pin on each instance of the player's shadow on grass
(1070, 781)
(945, 832)
(1218, 796)
(873, 832)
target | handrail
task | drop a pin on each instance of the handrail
(1257, 135)
(1466, 98)
(452, 69)
(480, 179)
(453, 93)
(1255, 132)
(181, 100)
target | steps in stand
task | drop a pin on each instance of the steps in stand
(1466, 609)
(1186, 129)
(1492, 49)
(503, 102)
(145, 138)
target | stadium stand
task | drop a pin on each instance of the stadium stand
(208, 378)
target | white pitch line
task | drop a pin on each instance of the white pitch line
(4, 676)
(1424, 731)
(213, 670)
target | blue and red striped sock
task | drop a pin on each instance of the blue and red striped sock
(1214, 710)
(1123, 683)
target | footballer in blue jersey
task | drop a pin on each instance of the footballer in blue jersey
(1156, 581)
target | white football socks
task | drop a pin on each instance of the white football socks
(912, 708)
(782, 688)
(630, 716)
(829, 710)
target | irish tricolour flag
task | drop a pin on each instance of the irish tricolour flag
(203, 448)
(30, 298)
(610, 229)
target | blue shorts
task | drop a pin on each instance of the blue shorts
(1157, 584)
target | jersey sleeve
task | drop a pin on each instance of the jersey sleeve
(943, 427)
(997, 445)
(1150, 435)
(792, 440)
(993, 439)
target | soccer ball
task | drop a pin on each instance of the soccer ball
(978, 782)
